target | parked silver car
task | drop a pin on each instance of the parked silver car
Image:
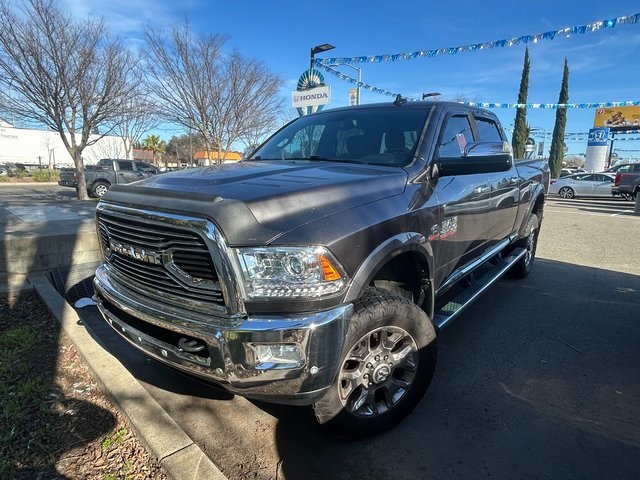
(582, 185)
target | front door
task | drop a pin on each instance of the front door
(465, 202)
(126, 173)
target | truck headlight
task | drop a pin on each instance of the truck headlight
(289, 272)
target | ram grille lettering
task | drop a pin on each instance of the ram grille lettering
(137, 253)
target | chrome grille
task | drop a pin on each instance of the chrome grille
(186, 272)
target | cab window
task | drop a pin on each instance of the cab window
(454, 137)
(126, 166)
(488, 130)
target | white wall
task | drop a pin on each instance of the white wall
(21, 145)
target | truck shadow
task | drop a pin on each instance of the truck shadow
(535, 377)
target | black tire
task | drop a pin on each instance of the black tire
(530, 242)
(99, 188)
(566, 192)
(387, 363)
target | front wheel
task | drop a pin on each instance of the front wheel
(566, 192)
(387, 363)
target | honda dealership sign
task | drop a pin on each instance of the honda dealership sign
(311, 93)
(597, 153)
(313, 97)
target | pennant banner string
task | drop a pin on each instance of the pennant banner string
(525, 39)
(374, 89)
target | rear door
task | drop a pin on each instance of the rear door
(145, 169)
(505, 187)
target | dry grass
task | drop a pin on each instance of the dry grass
(54, 420)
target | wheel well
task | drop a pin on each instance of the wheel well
(407, 273)
(539, 206)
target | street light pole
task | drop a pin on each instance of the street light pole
(319, 49)
(359, 77)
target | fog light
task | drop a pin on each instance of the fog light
(269, 356)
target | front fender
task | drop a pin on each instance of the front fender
(387, 250)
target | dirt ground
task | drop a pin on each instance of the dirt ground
(55, 421)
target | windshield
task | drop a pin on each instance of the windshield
(375, 136)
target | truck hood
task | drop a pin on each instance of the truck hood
(255, 202)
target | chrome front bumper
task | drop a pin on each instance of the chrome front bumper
(225, 356)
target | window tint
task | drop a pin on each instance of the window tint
(145, 167)
(376, 136)
(455, 135)
(603, 178)
(125, 166)
(488, 130)
(585, 177)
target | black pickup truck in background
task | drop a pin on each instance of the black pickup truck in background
(107, 172)
(319, 270)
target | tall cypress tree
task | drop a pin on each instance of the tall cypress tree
(520, 129)
(556, 154)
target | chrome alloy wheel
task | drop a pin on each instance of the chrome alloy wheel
(378, 371)
(101, 190)
(566, 192)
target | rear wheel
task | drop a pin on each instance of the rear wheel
(386, 366)
(523, 267)
(566, 192)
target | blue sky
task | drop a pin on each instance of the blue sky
(603, 65)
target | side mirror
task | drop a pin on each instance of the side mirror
(478, 157)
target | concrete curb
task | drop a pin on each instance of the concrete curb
(174, 449)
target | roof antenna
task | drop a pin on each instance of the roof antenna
(399, 100)
(430, 94)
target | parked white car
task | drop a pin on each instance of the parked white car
(582, 185)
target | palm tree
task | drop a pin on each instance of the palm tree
(155, 144)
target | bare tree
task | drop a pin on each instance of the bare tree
(222, 97)
(66, 74)
(140, 117)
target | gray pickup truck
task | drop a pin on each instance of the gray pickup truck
(107, 172)
(627, 181)
(319, 270)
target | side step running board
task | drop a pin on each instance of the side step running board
(452, 309)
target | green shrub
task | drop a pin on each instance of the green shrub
(45, 175)
(19, 173)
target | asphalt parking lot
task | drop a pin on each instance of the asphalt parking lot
(540, 378)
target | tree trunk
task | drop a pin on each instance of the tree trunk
(636, 209)
(83, 194)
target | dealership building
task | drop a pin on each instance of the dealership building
(32, 147)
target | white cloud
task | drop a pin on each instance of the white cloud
(127, 18)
